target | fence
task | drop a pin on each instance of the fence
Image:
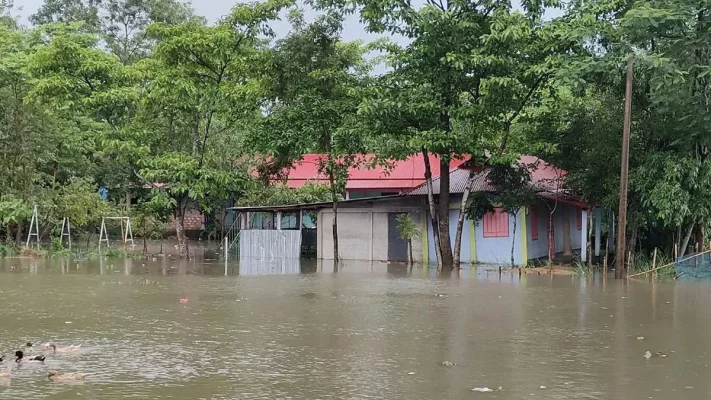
(269, 244)
(692, 267)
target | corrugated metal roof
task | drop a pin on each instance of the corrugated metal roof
(311, 206)
(457, 181)
(543, 177)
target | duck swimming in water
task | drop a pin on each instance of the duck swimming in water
(70, 377)
(32, 359)
(68, 349)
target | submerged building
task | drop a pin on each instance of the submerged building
(368, 229)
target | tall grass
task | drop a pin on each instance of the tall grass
(644, 262)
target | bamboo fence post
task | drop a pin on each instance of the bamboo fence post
(654, 263)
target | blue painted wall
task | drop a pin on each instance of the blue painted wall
(489, 250)
(538, 248)
(498, 250)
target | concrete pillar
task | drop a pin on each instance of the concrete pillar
(597, 220)
(278, 220)
(584, 237)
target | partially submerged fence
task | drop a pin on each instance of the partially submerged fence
(695, 266)
(262, 244)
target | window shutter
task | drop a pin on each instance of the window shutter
(496, 224)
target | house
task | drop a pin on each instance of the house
(368, 227)
(365, 181)
(525, 232)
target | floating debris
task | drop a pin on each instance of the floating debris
(648, 355)
(542, 387)
(411, 373)
(640, 337)
(482, 390)
(448, 363)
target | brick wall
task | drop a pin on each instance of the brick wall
(194, 221)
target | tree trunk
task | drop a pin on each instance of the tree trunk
(607, 244)
(431, 204)
(551, 239)
(460, 219)
(567, 248)
(180, 228)
(590, 235)
(18, 235)
(145, 243)
(444, 238)
(334, 200)
(700, 245)
(687, 237)
(632, 247)
(409, 252)
(551, 231)
(513, 238)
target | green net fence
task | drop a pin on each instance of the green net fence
(693, 267)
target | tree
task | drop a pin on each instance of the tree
(42, 150)
(282, 195)
(514, 192)
(160, 115)
(480, 62)
(408, 231)
(204, 82)
(69, 11)
(314, 102)
(669, 174)
(121, 24)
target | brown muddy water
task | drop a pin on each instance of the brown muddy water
(367, 331)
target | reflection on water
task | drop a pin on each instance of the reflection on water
(362, 331)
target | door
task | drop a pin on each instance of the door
(397, 246)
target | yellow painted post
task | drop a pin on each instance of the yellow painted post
(523, 237)
(472, 241)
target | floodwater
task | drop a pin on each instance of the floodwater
(367, 331)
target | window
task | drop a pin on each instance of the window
(496, 224)
(534, 222)
(580, 218)
(290, 221)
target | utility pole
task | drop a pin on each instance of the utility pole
(621, 250)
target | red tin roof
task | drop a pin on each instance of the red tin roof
(406, 174)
